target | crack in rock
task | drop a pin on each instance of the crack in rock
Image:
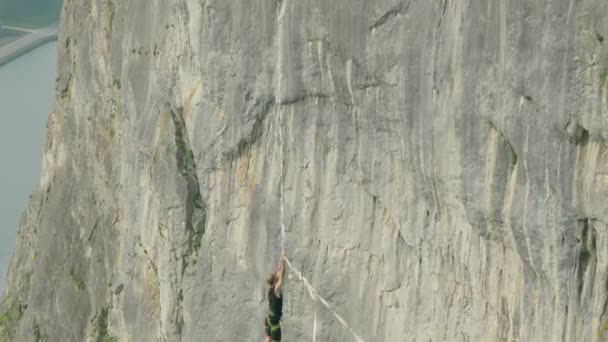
(259, 111)
(391, 13)
(196, 209)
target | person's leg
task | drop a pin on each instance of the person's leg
(267, 337)
(276, 335)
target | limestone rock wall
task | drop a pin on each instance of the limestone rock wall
(435, 171)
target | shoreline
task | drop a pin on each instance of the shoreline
(27, 43)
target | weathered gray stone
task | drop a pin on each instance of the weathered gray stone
(435, 170)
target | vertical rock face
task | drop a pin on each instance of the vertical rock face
(435, 170)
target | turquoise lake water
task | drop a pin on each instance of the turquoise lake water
(26, 93)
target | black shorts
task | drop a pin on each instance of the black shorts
(274, 330)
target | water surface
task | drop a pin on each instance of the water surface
(26, 92)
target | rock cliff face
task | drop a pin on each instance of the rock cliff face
(435, 171)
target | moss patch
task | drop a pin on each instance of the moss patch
(77, 279)
(39, 334)
(10, 314)
(102, 327)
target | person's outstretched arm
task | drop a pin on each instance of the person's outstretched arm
(278, 288)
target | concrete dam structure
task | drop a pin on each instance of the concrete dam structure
(26, 43)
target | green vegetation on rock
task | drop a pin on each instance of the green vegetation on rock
(9, 315)
(39, 335)
(77, 279)
(102, 327)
